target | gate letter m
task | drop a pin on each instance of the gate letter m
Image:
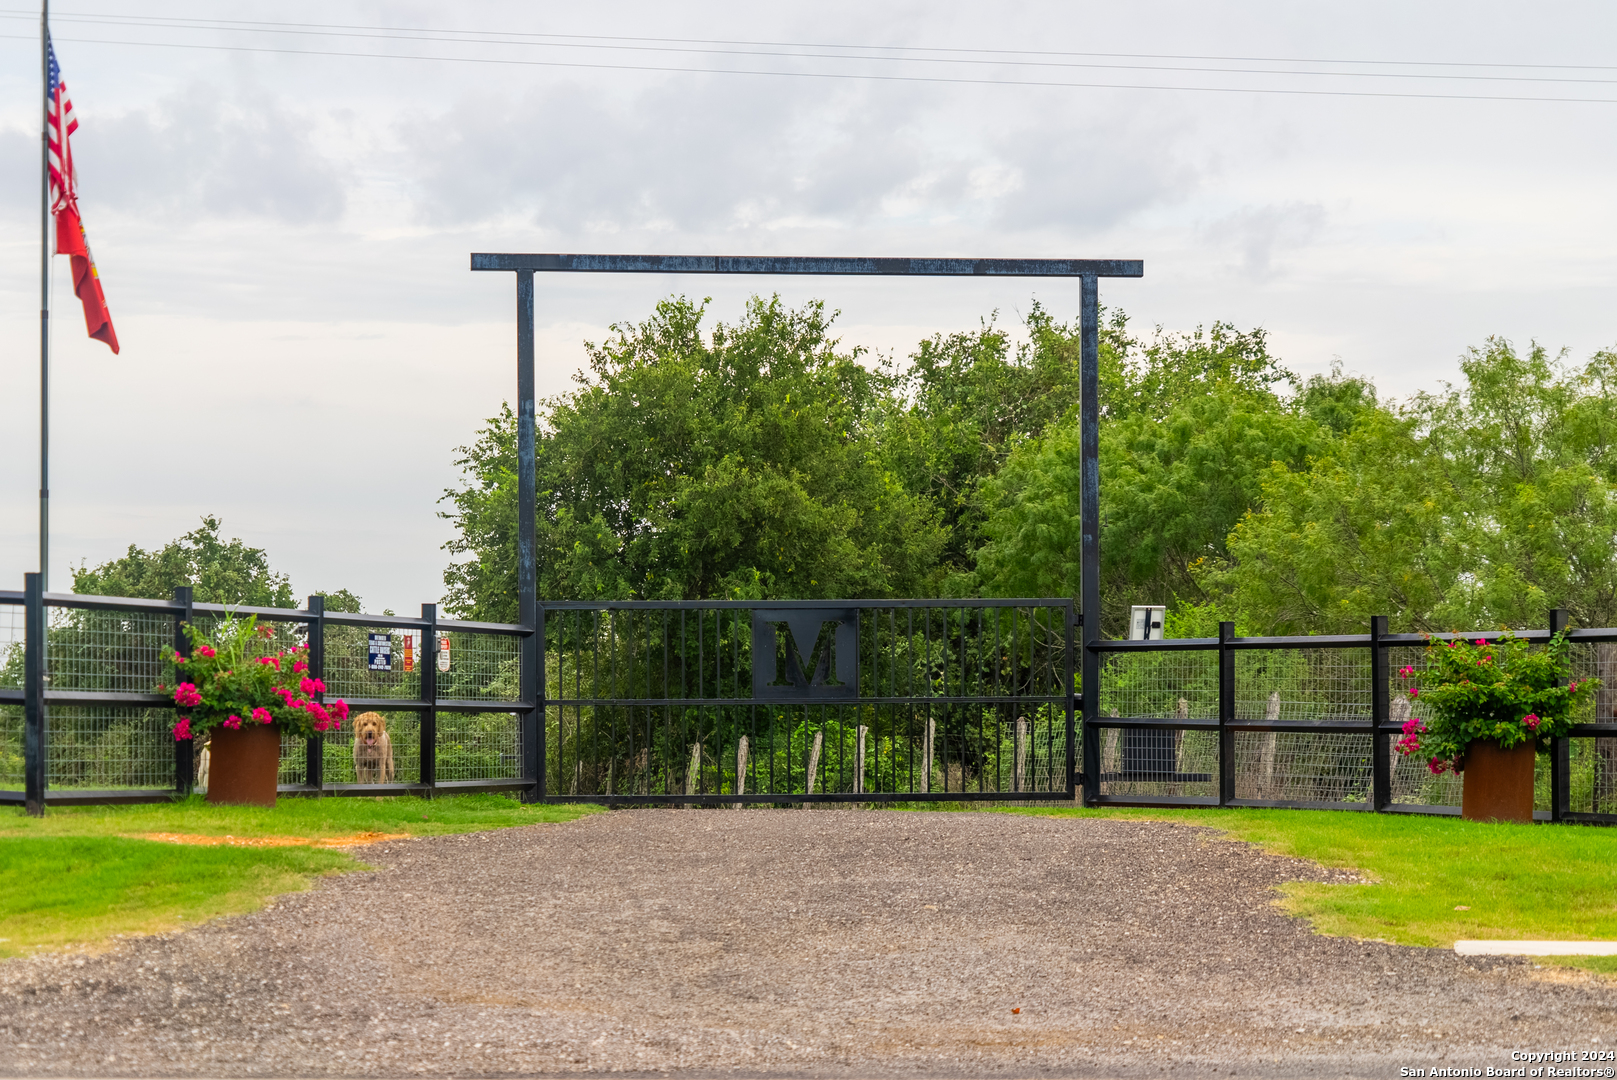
(832, 671)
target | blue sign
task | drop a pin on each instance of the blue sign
(381, 652)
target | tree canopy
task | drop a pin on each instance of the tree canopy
(220, 572)
(763, 460)
(743, 464)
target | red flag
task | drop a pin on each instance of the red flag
(70, 238)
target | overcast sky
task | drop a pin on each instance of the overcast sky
(283, 232)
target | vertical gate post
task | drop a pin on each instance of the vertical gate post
(429, 696)
(1089, 515)
(1226, 714)
(36, 771)
(185, 753)
(1560, 748)
(314, 748)
(1380, 717)
(528, 613)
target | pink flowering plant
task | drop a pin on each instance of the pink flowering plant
(1504, 690)
(227, 682)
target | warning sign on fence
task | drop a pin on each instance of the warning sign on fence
(381, 652)
(443, 654)
(409, 652)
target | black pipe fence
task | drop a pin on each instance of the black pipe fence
(1310, 722)
(82, 720)
(789, 702)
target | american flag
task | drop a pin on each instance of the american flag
(61, 123)
(70, 239)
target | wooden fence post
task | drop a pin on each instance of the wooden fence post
(926, 757)
(814, 763)
(859, 760)
(1019, 777)
(741, 769)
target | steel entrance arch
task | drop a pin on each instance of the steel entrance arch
(525, 266)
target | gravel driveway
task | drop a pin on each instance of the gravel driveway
(789, 942)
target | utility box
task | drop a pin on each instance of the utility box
(1145, 622)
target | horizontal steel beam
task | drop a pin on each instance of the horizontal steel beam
(1054, 603)
(835, 265)
(869, 699)
(765, 798)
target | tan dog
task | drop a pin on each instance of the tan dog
(373, 750)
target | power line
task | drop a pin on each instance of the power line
(851, 76)
(520, 37)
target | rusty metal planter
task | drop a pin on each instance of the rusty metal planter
(243, 765)
(1498, 782)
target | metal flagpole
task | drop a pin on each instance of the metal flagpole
(45, 300)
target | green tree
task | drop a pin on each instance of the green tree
(1190, 424)
(745, 465)
(1478, 506)
(970, 398)
(220, 572)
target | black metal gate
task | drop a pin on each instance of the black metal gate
(802, 701)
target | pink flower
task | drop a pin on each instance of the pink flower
(262, 715)
(178, 659)
(1414, 692)
(270, 660)
(1408, 671)
(1482, 641)
(318, 711)
(312, 686)
(340, 708)
(1572, 687)
(182, 730)
(1436, 766)
(301, 665)
(1532, 721)
(206, 651)
(232, 721)
(185, 695)
(1413, 725)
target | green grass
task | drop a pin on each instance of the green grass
(80, 876)
(1518, 881)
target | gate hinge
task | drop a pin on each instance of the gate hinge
(1078, 701)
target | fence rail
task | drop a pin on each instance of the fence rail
(730, 703)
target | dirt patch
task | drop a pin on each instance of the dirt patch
(201, 840)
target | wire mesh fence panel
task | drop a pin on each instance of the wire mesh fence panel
(1412, 781)
(479, 746)
(294, 767)
(11, 774)
(1303, 685)
(1592, 775)
(365, 662)
(1163, 685)
(112, 651)
(11, 678)
(1302, 767)
(11, 646)
(480, 667)
(1145, 762)
(373, 748)
(1154, 762)
(110, 748)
